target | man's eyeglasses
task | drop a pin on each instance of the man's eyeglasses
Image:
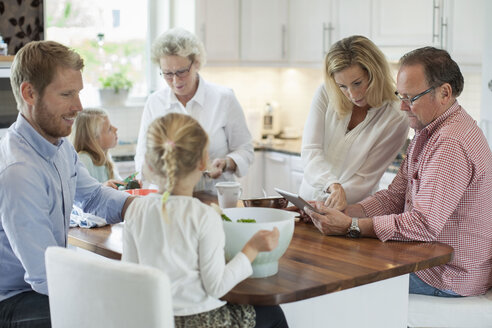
(410, 101)
(182, 73)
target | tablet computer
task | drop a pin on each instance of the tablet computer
(297, 200)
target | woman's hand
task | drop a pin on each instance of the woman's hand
(113, 183)
(337, 198)
(219, 165)
(262, 241)
(217, 168)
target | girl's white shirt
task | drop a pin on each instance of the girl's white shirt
(218, 111)
(188, 247)
(357, 158)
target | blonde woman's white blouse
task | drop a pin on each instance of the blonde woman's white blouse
(218, 111)
(357, 158)
(188, 247)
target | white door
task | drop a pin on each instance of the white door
(217, 25)
(399, 26)
(311, 30)
(277, 172)
(354, 18)
(466, 31)
(264, 30)
(252, 183)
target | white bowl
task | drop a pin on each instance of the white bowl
(238, 233)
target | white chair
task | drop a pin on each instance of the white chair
(89, 291)
(463, 312)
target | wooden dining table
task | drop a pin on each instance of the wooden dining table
(313, 266)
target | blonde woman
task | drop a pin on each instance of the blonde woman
(354, 128)
(183, 237)
(94, 135)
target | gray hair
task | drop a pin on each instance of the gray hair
(178, 42)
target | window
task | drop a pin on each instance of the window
(111, 36)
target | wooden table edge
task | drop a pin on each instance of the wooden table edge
(288, 297)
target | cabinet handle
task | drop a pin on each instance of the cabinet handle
(204, 35)
(444, 32)
(323, 40)
(276, 159)
(284, 33)
(326, 28)
(330, 30)
(436, 15)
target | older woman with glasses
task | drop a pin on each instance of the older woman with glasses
(180, 56)
(354, 128)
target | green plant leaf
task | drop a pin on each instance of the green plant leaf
(116, 81)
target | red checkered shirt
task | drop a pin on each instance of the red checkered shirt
(443, 192)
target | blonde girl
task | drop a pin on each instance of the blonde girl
(184, 237)
(93, 137)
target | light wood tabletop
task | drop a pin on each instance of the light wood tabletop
(313, 265)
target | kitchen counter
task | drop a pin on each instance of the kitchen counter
(285, 146)
(126, 152)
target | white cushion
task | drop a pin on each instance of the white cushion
(450, 312)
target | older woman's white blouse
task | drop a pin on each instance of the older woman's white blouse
(357, 158)
(217, 110)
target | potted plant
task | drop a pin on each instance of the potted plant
(114, 89)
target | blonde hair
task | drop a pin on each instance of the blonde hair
(37, 62)
(178, 42)
(176, 143)
(358, 50)
(88, 127)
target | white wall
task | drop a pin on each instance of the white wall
(292, 88)
(486, 112)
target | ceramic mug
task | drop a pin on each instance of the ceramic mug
(228, 193)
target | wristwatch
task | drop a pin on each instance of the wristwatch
(354, 230)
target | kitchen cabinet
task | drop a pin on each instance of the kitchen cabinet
(296, 173)
(217, 25)
(311, 32)
(354, 18)
(246, 31)
(270, 170)
(292, 32)
(276, 172)
(252, 183)
(263, 31)
(399, 26)
(273, 169)
(466, 25)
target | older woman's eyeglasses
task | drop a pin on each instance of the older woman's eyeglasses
(409, 101)
(182, 73)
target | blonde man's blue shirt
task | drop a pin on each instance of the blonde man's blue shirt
(40, 183)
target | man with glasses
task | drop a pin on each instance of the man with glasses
(443, 190)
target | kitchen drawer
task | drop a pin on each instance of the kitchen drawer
(277, 172)
(296, 164)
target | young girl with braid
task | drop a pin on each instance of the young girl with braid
(183, 237)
